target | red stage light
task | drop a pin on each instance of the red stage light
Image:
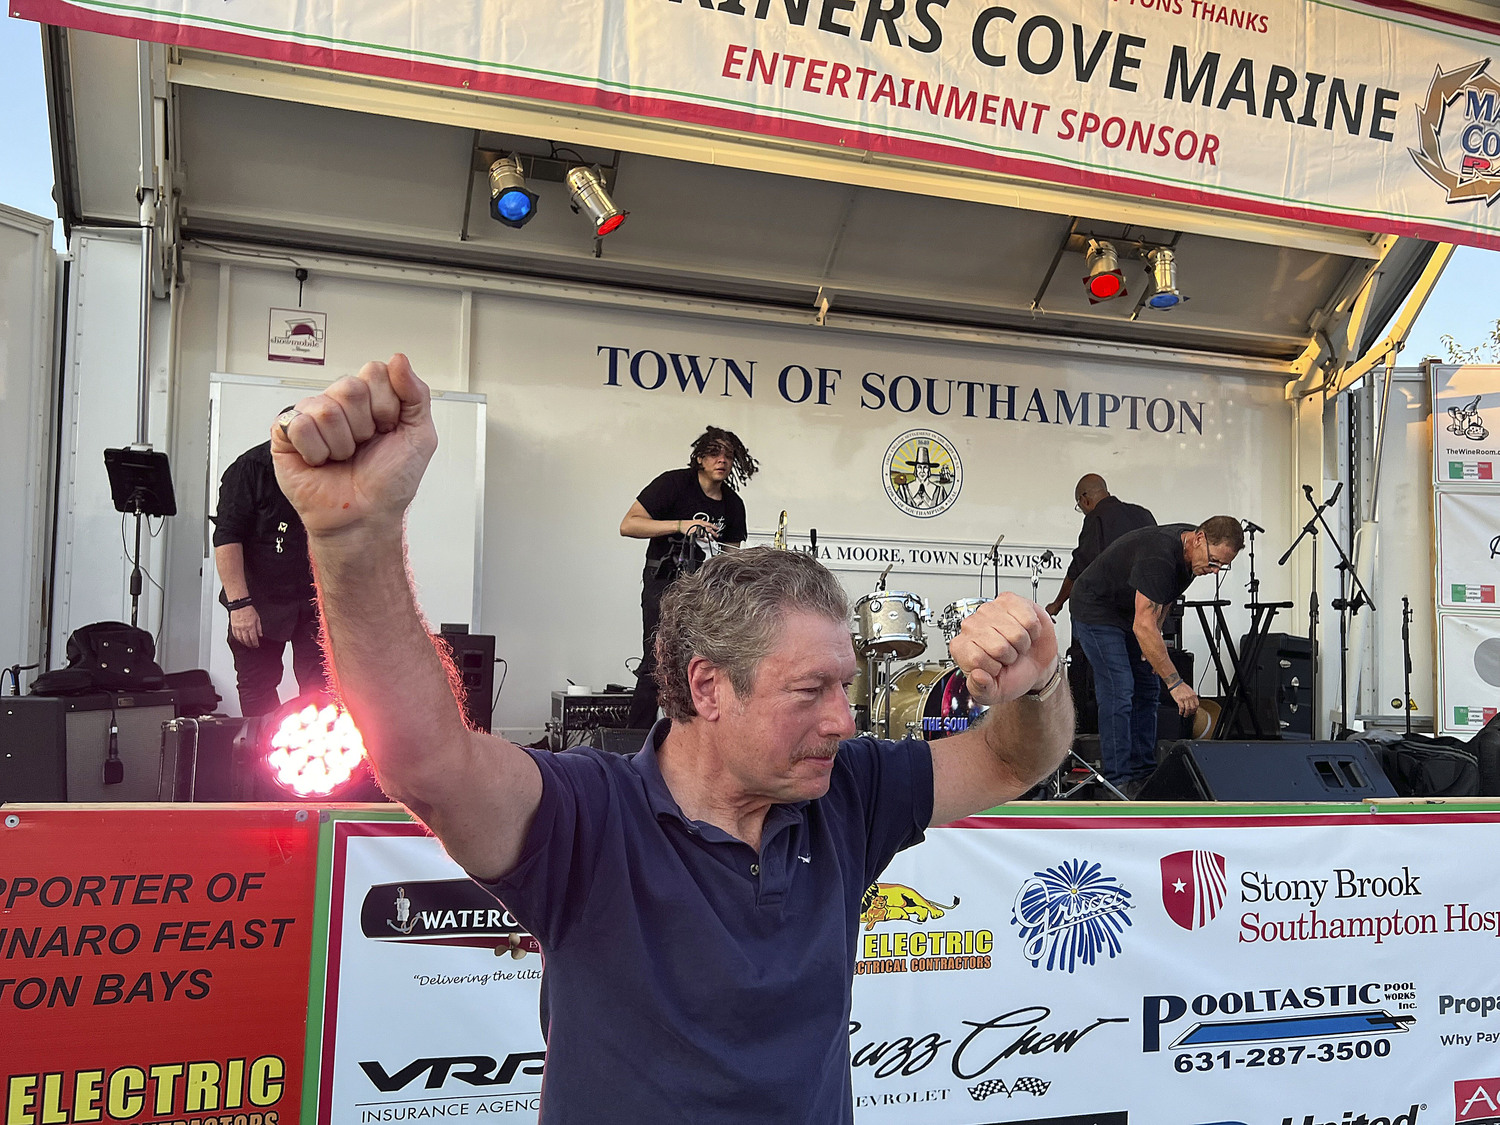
(315, 749)
(610, 224)
(1105, 285)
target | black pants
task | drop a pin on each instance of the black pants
(643, 705)
(258, 671)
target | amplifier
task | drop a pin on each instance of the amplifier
(574, 716)
(54, 748)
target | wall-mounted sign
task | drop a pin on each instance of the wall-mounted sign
(297, 336)
(1468, 550)
(1469, 656)
(922, 473)
(1466, 425)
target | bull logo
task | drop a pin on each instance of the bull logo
(1193, 887)
(892, 902)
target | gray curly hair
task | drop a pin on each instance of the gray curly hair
(729, 612)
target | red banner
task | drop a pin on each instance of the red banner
(154, 964)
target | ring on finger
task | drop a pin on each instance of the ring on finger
(285, 420)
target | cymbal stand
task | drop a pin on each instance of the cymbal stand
(1310, 530)
(1091, 776)
(1347, 608)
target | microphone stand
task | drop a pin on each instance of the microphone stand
(1310, 529)
(1406, 657)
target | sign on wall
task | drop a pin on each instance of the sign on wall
(1468, 550)
(1351, 115)
(297, 336)
(1466, 425)
(154, 964)
(1469, 683)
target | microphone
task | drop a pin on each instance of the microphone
(1047, 557)
(1336, 490)
(1307, 491)
(1251, 526)
(880, 585)
(812, 538)
(995, 550)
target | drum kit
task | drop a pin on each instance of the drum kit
(922, 699)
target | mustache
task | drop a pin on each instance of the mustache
(822, 750)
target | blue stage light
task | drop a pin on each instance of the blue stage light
(511, 203)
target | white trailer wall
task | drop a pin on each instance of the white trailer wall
(26, 426)
(569, 447)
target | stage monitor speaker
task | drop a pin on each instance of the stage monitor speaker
(618, 740)
(1268, 771)
(474, 655)
(1279, 683)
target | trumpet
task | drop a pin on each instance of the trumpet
(780, 541)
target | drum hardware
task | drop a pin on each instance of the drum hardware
(891, 621)
(994, 559)
(1036, 573)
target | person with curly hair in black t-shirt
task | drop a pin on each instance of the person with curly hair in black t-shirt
(687, 515)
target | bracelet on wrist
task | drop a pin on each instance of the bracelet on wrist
(1173, 682)
(1045, 692)
(239, 603)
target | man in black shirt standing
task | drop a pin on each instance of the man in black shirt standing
(1119, 604)
(1105, 519)
(687, 515)
(260, 552)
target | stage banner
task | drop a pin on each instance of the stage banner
(1465, 416)
(1256, 969)
(430, 1003)
(1072, 968)
(1375, 117)
(1468, 550)
(154, 964)
(1469, 684)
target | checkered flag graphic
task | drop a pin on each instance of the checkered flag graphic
(1037, 1086)
(986, 1088)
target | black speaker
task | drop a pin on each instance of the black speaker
(1268, 771)
(1279, 683)
(618, 740)
(474, 656)
(55, 748)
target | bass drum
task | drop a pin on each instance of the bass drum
(927, 701)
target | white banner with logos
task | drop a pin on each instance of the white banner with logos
(1469, 684)
(1379, 118)
(1466, 425)
(1468, 549)
(1047, 969)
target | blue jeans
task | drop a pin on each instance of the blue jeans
(1128, 692)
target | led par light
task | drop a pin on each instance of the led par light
(586, 186)
(511, 202)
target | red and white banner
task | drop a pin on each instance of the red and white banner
(154, 964)
(1381, 118)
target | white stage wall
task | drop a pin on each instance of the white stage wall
(573, 435)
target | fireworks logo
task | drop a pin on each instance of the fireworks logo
(1071, 914)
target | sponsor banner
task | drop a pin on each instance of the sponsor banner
(431, 995)
(1469, 686)
(1300, 969)
(1468, 528)
(1465, 418)
(1379, 118)
(297, 336)
(154, 964)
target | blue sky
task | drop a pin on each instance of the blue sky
(1462, 306)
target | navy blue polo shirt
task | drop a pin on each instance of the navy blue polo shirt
(686, 978)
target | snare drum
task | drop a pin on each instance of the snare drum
(890, 622)
(928, 701)
(954, 613)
